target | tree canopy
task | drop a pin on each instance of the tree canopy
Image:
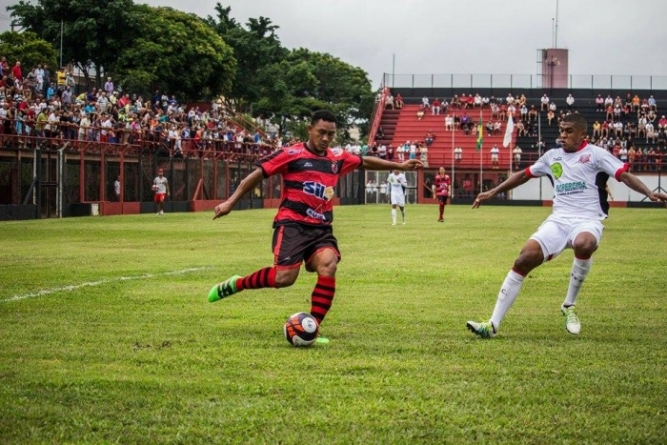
(26, 47)
(147, 48)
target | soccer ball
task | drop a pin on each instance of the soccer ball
(301, 329)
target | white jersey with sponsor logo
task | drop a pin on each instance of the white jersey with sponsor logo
(396, 184)
(579, 179)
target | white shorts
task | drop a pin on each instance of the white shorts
(558, 233)
(398, 199)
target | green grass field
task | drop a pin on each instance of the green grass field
(107, 337)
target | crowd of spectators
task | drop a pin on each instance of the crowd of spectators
(37, 107)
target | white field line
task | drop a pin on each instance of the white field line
(44, 292)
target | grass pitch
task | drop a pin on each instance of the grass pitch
(106, 335)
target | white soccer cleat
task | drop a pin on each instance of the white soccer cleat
(572, 323)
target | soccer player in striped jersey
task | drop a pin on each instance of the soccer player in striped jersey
(302, 226)
(579, 172)
(442, 183)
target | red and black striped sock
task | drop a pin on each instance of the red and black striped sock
(262, 278)
(322, 297)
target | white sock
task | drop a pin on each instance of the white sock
(393, 215)
(580, 269)
(508, 293)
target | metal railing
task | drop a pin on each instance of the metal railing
(527, 81)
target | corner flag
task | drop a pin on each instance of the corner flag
(480, 134)
(508, 132)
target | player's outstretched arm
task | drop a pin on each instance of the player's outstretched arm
(247, 184)
(373, 163)
(638, 186)
(512, 182)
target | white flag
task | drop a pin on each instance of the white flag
(508, 132)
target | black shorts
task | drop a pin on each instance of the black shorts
(443, 199)
(294, 244)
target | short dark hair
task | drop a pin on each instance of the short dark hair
(577, 120)
(322, 115)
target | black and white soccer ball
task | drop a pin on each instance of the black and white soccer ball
(301, 329)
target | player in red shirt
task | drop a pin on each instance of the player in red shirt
(302, 226)
(442, 183)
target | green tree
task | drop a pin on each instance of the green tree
(255, 46)
(26, 47)
(94, 31)
(178, 53)
(307, 81)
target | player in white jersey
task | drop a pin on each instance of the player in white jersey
(397, 184)
(161, 189)
(579, 173)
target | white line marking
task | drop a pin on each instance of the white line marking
(41, 293)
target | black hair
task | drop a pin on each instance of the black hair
(577, 119)
(322, 115)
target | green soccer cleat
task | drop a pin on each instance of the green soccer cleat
(321, 340)
(572, 323)
(485, 329)
(224, 289)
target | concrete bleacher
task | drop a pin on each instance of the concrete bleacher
(401, 125)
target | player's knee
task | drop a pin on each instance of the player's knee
(328, 267)
(527, 261)
(285, 279)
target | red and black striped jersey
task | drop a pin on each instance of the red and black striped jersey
(308, 182)
(442, 184)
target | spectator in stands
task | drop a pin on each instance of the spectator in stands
(497, 126)
(636, 103)
(399, 101)
(457, 121)
(522, 100)
(662, 123)
(544, 102)
(465, 123)
(521, 129)
(599, 102)
(389, 103)
(17, 72)
(443, 106)
(420, 112)
(618, 128)
(401, 149)
(623, 154)
(651, 133)
(425, 102)
(617, 112)
(510, 99)
(464, 101)
(652, 104)
(489, 127)
(379, 134)
(511, 111)
(517, 157)
(609, 113)
(477, 101)
(429, 137)
(631, 157)
(495, 110)
(596, 129)
(423, 154)
(456, 102)
(458, 154)
(532, 113)
(495, 152)
(502, 113)
(435, 107)
(486, 101)
(569, 101)
(644, 106)
(449, 123)
(414, 150)
(641, 126)
(524, 112)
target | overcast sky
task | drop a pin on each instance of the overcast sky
(461, 37)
